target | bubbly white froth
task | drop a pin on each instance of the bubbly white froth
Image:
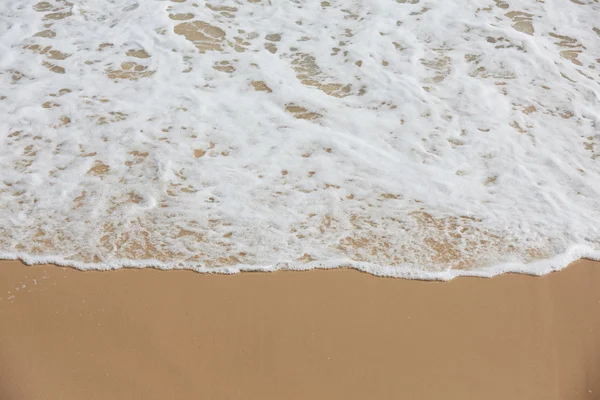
(419, 138)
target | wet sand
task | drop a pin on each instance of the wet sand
(338, 334)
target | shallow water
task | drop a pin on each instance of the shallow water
(411, 138)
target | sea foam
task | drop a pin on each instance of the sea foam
(410, 138)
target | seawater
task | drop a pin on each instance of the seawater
(411, 138)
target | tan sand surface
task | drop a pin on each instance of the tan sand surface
(338, 334)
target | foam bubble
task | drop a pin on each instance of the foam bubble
(419, 139)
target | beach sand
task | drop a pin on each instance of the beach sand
(336, 334)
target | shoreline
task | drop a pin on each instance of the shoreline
(538, 268)
(153, 334)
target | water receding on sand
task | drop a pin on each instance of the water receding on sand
(407, 138)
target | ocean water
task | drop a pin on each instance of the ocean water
(410, 138)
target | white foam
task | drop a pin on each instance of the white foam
(418, 139)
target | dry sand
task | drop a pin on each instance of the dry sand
(149, 334)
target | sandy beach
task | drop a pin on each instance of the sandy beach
(335, 334)
(413, 141)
